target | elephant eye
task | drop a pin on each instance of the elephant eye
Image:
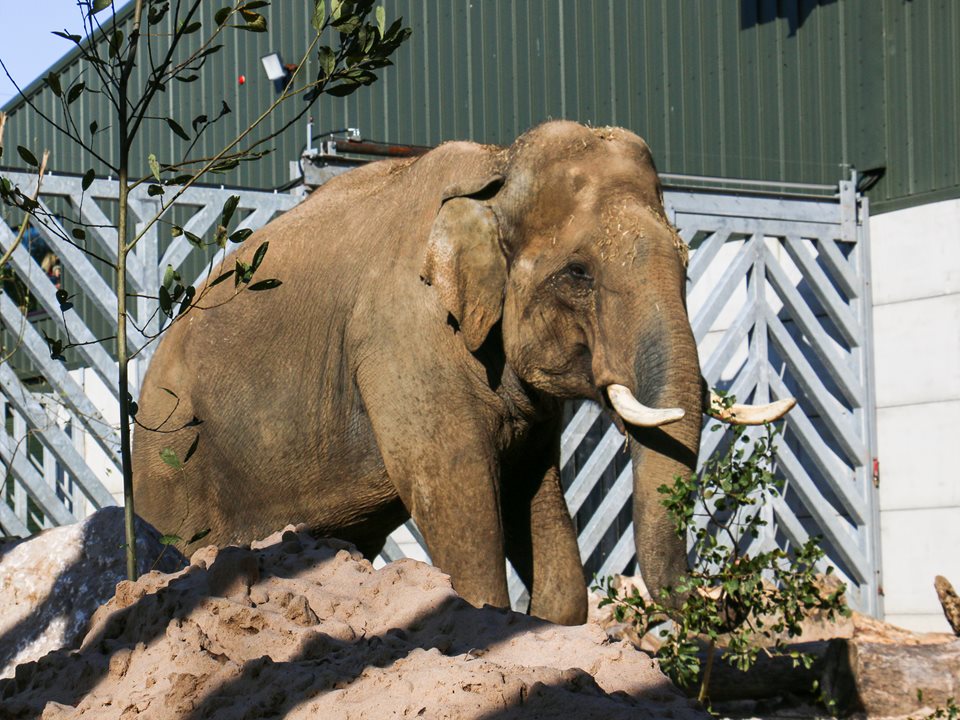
(578, 271)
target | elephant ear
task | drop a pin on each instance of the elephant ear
(464, 262)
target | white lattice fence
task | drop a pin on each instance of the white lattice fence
(780, 305)
(778, 302)
(58, 449)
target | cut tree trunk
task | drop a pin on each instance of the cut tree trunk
(895, 679)
(878, 678)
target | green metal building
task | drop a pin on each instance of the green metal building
(773, 90)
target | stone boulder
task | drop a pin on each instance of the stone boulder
(51, 583)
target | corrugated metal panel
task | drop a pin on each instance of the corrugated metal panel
(777, 90)
(922, 69)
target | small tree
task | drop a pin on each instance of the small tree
(362, 43)
(727, 591)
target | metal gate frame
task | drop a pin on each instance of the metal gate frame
(779, 300)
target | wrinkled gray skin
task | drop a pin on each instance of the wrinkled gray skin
(433, 316)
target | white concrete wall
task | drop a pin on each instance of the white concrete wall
(916, 296)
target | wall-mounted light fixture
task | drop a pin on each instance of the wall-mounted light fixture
(276, 71)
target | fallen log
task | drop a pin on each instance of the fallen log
(895, 679)
(877, 678)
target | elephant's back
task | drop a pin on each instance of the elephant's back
(270, 375)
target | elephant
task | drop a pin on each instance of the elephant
(433, 316)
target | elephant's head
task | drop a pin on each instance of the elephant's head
(569, 247)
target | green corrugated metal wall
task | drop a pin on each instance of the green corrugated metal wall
(778, 90)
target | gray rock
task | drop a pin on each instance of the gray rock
(51, 583)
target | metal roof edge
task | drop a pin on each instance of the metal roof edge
(67, 59)
(878, 207)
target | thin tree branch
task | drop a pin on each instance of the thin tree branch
(58, 126)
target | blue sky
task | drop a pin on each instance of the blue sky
(27, 46)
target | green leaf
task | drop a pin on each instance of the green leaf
(254, 21)
(194, 239)
(176, 128)
(94, 126)
(191, 28)
(68, 36)
(186, 78)
(198, 536)
(223, 276)
(153, 190)
(115, 43)
(241, 273)
(63, 298)
(176, 231)
(381, 20)
(53, 82)
(210, 51)
(224, 166)
(258, 256)
(87, 180)
(343, 89)
(168, 276)
(222, 15)
(170, 539)
(319, 15)
(347, 25)
(98, 5)
(188, 296)
(170, 458)
(265, 285)
(229, 207)
(238, 236)
(166, 302)
(75, 92)
(154, 166)
(328, 61)
(156, 14)
(79, 233)
(28, 157)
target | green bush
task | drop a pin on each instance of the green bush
(747, 603)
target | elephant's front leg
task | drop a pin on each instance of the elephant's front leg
(446, 471)
(455, 505)
(541, 539)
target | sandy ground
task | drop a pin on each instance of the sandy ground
(300, 628)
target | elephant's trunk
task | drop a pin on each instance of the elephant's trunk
(668, 376)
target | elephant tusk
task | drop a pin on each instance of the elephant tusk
(636, 413)
(749, 414)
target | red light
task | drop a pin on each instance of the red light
(242, 79)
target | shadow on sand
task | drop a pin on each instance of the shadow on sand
(323, 655)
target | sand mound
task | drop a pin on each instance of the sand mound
(295, 627)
